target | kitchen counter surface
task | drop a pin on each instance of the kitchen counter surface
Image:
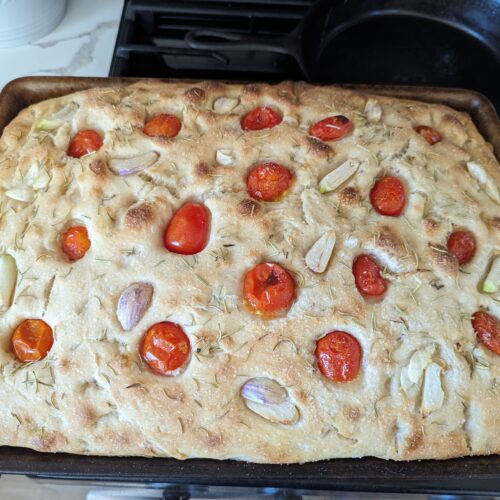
(82, 44)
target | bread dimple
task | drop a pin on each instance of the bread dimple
(349, 196)
(94, 395)
(248, 207)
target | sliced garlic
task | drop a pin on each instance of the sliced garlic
(133, 304)
(225, 104)
(491, 283)
(264, 390)
(21, 193)
(285, 413)
(133, 164)
(65, 114)
(433, 394)
(8, 280)
(36, 177)
(419, 362)
(224, 157)
(373, 110)
(406, 384)
(319, 254)
(270, 400)
(484, 180)
(291, 120)
(480, 361)
(338, 176)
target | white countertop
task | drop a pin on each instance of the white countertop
(82, 44)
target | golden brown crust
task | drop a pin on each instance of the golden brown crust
(349, 196)
(93, 394)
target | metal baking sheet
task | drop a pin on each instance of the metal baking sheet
(471, 475)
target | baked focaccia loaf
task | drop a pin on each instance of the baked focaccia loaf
(276, 274)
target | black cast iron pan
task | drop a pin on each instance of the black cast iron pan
(403, 42)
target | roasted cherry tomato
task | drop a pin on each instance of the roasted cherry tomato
(331, 128)
(431, 135)
(268, 181)
(369, 281)
(462, 245)
(165, 348)
(75, 242)
(487, 329)
(388, 196)
(187, 231)
(338, 356)
(162, 126)
(32, 340)
(83, 143)
(268, 289)
(260, 118)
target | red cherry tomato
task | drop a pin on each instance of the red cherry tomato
(367, 277)
(487, 329)
(83, 143)
(165, 348)
(431, 135)
(32, 340)
(462, 245)
(268, 288)
(268, 181)
(187, 231)
(261, 118)
(75, 242)
(338, 356)
(388, 196)
(331, 128)
(163, 125)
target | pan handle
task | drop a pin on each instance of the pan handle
(233, 42)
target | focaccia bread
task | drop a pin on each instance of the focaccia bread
(428, 383)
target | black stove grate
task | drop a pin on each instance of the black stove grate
(382, 46)
(151, 43)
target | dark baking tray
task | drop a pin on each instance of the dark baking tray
(471, 475)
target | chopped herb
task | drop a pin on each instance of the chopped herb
(111, 368)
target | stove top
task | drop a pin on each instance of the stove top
(150, 40)
(385, 48)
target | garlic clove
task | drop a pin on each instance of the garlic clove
(36, 177)
(133, 164)
(224, 157)
(42, 181)
(269, 399)
(21, 193)
(338, 176)
(285, 413)
(8, 280)
(291, 120)
(225, 104)
(491, 283)
(373, 110)
(65, 114)
(133, 304)
(419, 362)
(432, 394)
(480, 361)
(318, 256)
(406, 384)
(264, 390)
(484, 180)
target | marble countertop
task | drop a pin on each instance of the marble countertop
(82, 44)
